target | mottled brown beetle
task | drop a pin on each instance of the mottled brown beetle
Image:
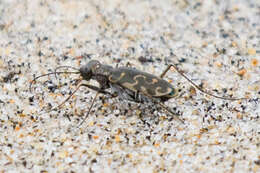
(129, 84)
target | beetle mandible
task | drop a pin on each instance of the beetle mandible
(129, 84)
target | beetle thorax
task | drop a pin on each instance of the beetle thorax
(103, 70)
(95, 69)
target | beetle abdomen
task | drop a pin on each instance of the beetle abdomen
(138, 81)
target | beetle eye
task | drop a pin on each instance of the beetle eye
(97, 66)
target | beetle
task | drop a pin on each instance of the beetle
(129, 84)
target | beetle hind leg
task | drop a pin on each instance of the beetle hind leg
(165, 71)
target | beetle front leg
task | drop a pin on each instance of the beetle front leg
(99, 90)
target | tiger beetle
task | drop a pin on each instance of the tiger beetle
(129, 84)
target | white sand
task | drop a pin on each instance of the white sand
(216, 43)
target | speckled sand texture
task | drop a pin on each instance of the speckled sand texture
(215, 42)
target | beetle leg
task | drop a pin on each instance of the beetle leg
(66, 98)
(195, 85)
(136, 95)
(171, 112)
(128, 64)
(165, 71)
(123, 94)
(89, 110)
(164, 107)
(86, 85)
(98, 90)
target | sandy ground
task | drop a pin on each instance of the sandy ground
(216, 44)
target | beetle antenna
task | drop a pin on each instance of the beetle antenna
(62, 72)
(89, 109)
(196, 86)
(64, 66)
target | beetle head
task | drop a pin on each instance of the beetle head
(94, 68)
